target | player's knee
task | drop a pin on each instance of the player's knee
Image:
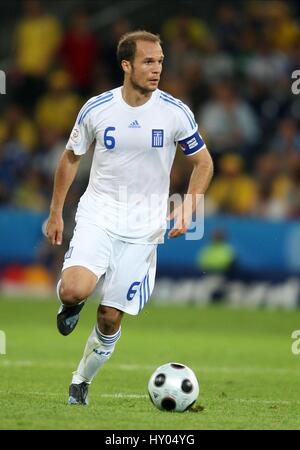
(71, 295)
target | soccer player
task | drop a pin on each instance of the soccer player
(121, 216)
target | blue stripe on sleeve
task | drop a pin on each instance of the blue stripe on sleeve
(93, 100)
(181, 106)
(180, 103)
(96, 102)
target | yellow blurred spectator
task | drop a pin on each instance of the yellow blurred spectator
(29, 193)
(15, 125)
(193, 29)
(37, 276)
(272, 186)
(37, 37)
(232, 191)
(58, 108)
(282, 29)
(218, 255)
(287, 187)
(279, 27)
(281, 186)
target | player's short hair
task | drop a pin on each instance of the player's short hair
(127, 44)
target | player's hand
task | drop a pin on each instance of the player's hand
(54, 229)
(182, 220)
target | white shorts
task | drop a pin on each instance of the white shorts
(129, 268)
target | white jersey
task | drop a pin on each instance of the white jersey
(134, 151)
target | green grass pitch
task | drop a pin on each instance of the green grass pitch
(249, 377)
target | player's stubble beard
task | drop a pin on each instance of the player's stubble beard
(143, 90)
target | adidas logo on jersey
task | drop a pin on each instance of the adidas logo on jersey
(134, 124)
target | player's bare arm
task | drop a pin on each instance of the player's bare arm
(64, 176)
(199, 182)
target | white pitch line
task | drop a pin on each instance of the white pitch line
(56, 394)
(245, 370)
(267, 402)
(7, 362)
(120, 395)
(145, 396)
(141, 367)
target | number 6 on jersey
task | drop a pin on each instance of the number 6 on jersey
(109, 141)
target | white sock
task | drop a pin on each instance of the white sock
(57, 291)
(98, 350)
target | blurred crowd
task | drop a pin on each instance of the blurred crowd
(233, 70)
